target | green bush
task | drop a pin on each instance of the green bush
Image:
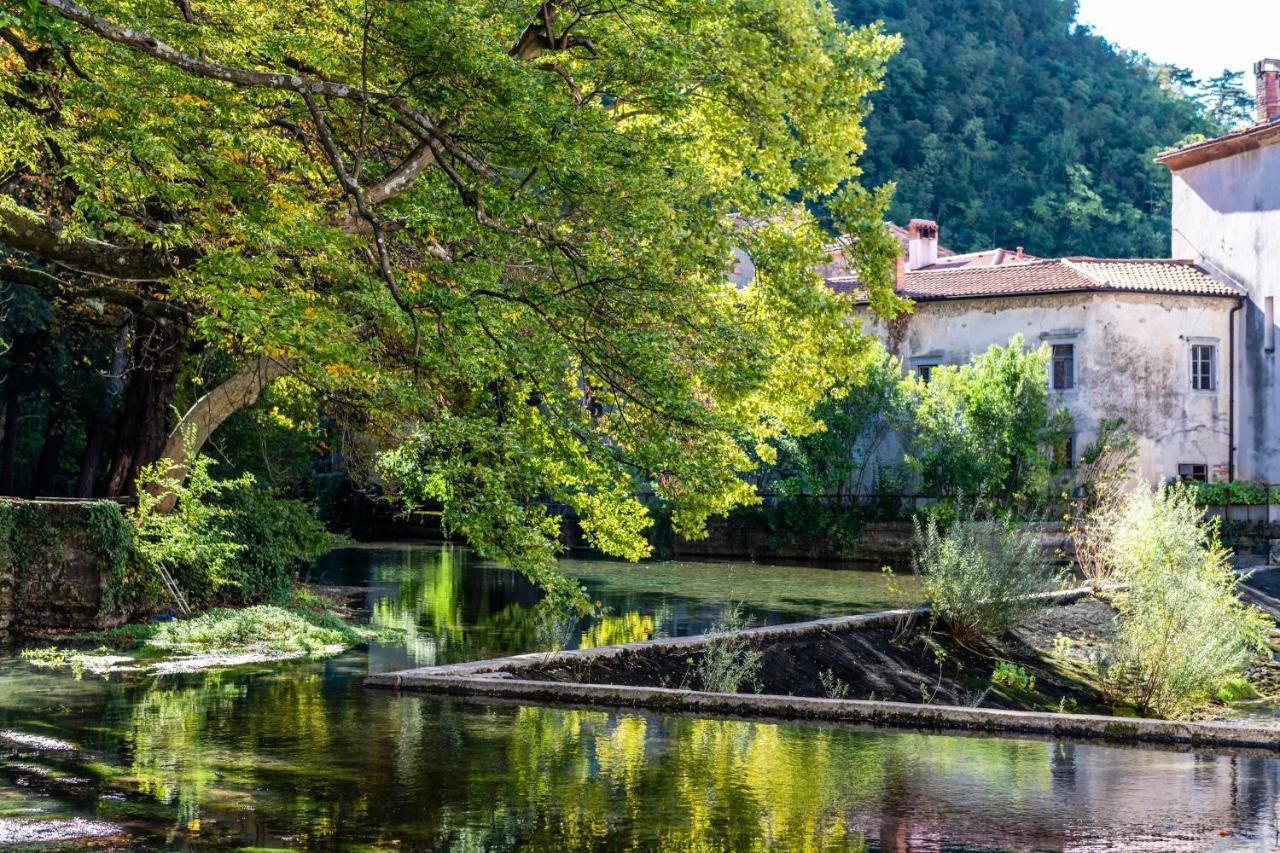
(985, 431)
(981, 577)
(1240, 492)
(225, 540)
(729, 663)
(1183, 633)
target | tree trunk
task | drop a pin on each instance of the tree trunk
(44, 481)
(141, 431)
(239, 392)
(96, 429)
(10, 441)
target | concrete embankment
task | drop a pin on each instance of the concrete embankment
(589, 677)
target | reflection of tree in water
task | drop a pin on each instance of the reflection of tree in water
(590, 779)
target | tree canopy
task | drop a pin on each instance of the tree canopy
(1010, 124)
(493, 238)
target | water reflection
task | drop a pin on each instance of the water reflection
(299, 755)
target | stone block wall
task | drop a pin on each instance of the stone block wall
(57, 559)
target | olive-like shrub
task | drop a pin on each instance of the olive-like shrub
(981, 577)
(1183, 632)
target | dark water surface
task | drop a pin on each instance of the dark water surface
(299, 755)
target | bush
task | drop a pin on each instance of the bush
(225, 540)
(986, 430)
(1237, 493)
(981, 577)
(729, 663)
(1183, 633)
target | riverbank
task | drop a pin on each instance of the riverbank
(310, 623)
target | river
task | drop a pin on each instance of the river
(297, 754)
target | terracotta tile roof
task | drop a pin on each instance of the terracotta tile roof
(1059, 275)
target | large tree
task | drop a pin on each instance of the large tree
(496, 236)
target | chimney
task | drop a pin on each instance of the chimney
(1268, 73)
(922, 244)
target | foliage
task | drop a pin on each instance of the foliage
(1183, 632)
(1009, 674)
(856, 419)
(226, 539)
(729, 663)
(264, 627)
(984, 431)
(1011, 124)
(502, 263)
(833, 687)
(981, 578)
(1226, 101)
(1102, 477)
(1235, 493)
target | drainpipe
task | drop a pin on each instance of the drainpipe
(1231, 392)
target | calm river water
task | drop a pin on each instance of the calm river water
(299, 755)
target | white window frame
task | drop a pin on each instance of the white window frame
(1053, 366)
(1192, 345)
(1064, 338)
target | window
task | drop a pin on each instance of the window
(925, 372)
(1204, 358)
(1064, 367)
(1193, 472)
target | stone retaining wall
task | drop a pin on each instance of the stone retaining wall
(56, 560)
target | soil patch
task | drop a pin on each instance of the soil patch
(903, 662)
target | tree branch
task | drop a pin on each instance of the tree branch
(56, 288)
(28, 231)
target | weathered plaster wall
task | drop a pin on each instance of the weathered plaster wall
(57, 559)
(1226, 216)
(1132, 354)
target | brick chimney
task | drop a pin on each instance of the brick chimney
(922, 244)
(1268, 73)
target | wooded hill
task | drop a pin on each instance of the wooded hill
(1011, 125)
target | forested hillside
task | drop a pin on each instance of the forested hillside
(1011, 126)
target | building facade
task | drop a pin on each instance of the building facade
(1226, 218)
(1147, 341)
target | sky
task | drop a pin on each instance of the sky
(1205, 37)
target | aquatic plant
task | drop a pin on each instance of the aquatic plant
(261, 626)
(1009, 674)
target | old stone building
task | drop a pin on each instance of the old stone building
(1226, 218)
(1183, 349)
(1143, 340)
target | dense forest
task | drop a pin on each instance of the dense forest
(1013, 126)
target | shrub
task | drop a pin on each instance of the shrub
(985, 430)
(1183, 632)
(1102, 477)
(729, 663)
(224, 539)
(981, 577)
(1237, 493)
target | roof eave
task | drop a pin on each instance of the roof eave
(1228, 145)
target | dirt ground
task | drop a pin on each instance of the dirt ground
(907, 663)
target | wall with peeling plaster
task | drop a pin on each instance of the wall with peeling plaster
(1226, 216)
(1132, 360)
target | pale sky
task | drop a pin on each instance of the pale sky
(1205, 37)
